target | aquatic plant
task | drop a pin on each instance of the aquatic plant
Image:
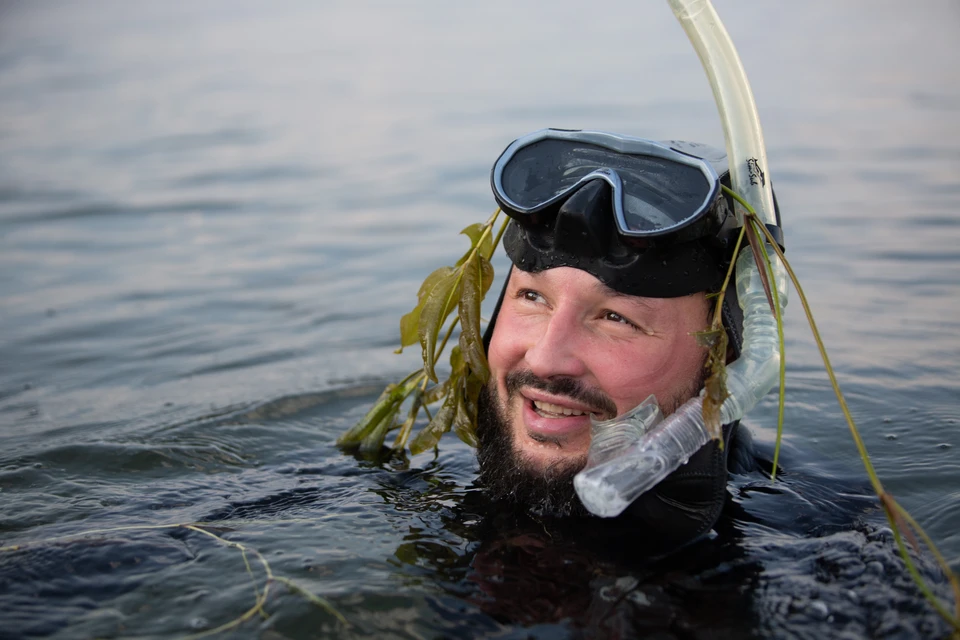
(459, 288)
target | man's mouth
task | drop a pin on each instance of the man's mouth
(550, 410)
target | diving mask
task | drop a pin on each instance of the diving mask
(645, 218)
(658, 189)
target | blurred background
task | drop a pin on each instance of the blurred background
(213, 214)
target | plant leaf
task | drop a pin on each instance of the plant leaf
(436, 392)
(474, 232)
(486, 273)
(374, 416)
(430, 435)
(374, 440)
(410, 322)
(471, 340)
(708, 338)
(758, 258)
(716, 384)
(439, 303)
(401, 441)
(457, 362)
(464, 425)
(481, 238)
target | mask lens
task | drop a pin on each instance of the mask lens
(659, 195)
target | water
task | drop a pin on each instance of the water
(212, 217)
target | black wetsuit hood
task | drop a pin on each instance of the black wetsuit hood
(688, 502)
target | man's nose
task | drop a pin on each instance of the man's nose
(557, 350)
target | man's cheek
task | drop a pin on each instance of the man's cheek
(635, 374)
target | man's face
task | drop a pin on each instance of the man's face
(566, 346)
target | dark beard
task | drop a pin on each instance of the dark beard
(510, 479)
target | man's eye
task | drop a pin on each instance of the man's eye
(530, 295)
(616, 317)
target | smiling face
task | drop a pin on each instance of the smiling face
(565, 346)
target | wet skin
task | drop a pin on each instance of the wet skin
(563, 323)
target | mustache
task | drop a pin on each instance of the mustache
(572, 388)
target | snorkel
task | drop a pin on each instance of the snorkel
(632, 453)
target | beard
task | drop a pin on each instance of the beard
(509, 477)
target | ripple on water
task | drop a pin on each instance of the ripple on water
(851, 583)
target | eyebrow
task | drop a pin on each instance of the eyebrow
(606, 290)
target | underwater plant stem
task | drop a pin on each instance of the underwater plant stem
(313, 598)
(751, 218)
(503, 228)
(891, 508)
(756, 248)
(954, 583)
(246, 563)
(854, 432)
(443, 344)
(261, 597)
(718, 310)
(778, 314)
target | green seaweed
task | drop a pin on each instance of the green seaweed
(461, 289)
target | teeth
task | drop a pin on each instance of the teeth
(556, 409)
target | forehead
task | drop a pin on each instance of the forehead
(579, 284)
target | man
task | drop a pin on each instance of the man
(616, 243)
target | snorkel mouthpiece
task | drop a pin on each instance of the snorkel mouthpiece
(618, 458)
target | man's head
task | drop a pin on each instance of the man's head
(593, 317)
(566, 346)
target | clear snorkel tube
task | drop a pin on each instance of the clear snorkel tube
(632, 453)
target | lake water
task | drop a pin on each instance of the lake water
(213, 215)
